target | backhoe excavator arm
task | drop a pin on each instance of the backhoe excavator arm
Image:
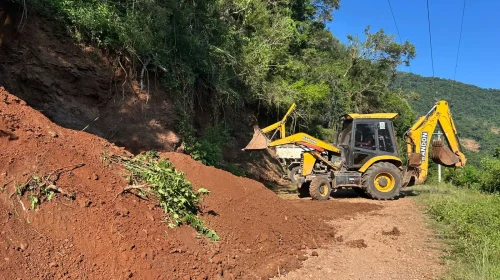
(418, 140)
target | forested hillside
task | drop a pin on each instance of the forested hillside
(227, 55)
(475, 110)
(217, 58)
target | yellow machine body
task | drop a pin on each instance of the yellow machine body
(366, 156)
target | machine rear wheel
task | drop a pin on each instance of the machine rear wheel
(320, 188)
(382, 181)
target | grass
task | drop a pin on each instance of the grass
(469, 221)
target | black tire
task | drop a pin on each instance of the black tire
(374, 185)
(292, 174)
(320, 188)
(303, 189)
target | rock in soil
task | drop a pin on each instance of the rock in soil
(358, 243)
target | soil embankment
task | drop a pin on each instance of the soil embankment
(79, 87)
(101, 236)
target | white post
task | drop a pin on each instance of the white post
(439, 165)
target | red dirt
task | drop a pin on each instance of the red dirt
(266, 231)
(99, 236)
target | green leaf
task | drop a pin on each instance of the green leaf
(203, 191)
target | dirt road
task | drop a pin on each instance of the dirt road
(390, 242)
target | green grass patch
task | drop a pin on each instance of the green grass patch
(469, 221)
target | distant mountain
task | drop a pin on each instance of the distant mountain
(476, 111)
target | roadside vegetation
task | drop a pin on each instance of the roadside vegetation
(468, 220)
(484, 177)
(466, 211)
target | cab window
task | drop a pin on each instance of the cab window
(385, 143)
(364, 136)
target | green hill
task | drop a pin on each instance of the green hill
(476, 110)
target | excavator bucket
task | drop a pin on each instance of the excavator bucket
(441, 154)
(258, 142)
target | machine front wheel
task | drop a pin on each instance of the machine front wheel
(382, 181)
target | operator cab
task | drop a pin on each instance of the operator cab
(365, 136)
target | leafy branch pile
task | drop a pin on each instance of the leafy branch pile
(175, 194)
(37, 191)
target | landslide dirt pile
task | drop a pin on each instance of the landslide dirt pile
(260, 228)
(99, 235)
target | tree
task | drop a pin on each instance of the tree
(496, 154)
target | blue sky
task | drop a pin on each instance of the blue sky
(479, 60)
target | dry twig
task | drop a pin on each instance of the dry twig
(129, 189)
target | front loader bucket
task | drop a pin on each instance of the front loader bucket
(258, 142)
(441, 154)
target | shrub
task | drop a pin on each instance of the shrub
(467, 177)
(490, 175)
(236, 170)
(485, 178)
(207, 148)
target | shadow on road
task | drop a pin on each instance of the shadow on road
(345, 193)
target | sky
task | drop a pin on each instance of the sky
(479, 58)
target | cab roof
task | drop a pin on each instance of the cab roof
(371, 116)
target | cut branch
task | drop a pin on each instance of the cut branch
(129, 189)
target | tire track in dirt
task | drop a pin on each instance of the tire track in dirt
(392, 242)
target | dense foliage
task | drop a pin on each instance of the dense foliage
(475, 110)
(233, 54)
(486, 177)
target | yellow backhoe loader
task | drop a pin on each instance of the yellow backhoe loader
(365, 154)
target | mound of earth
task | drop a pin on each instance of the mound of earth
(99, 235)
